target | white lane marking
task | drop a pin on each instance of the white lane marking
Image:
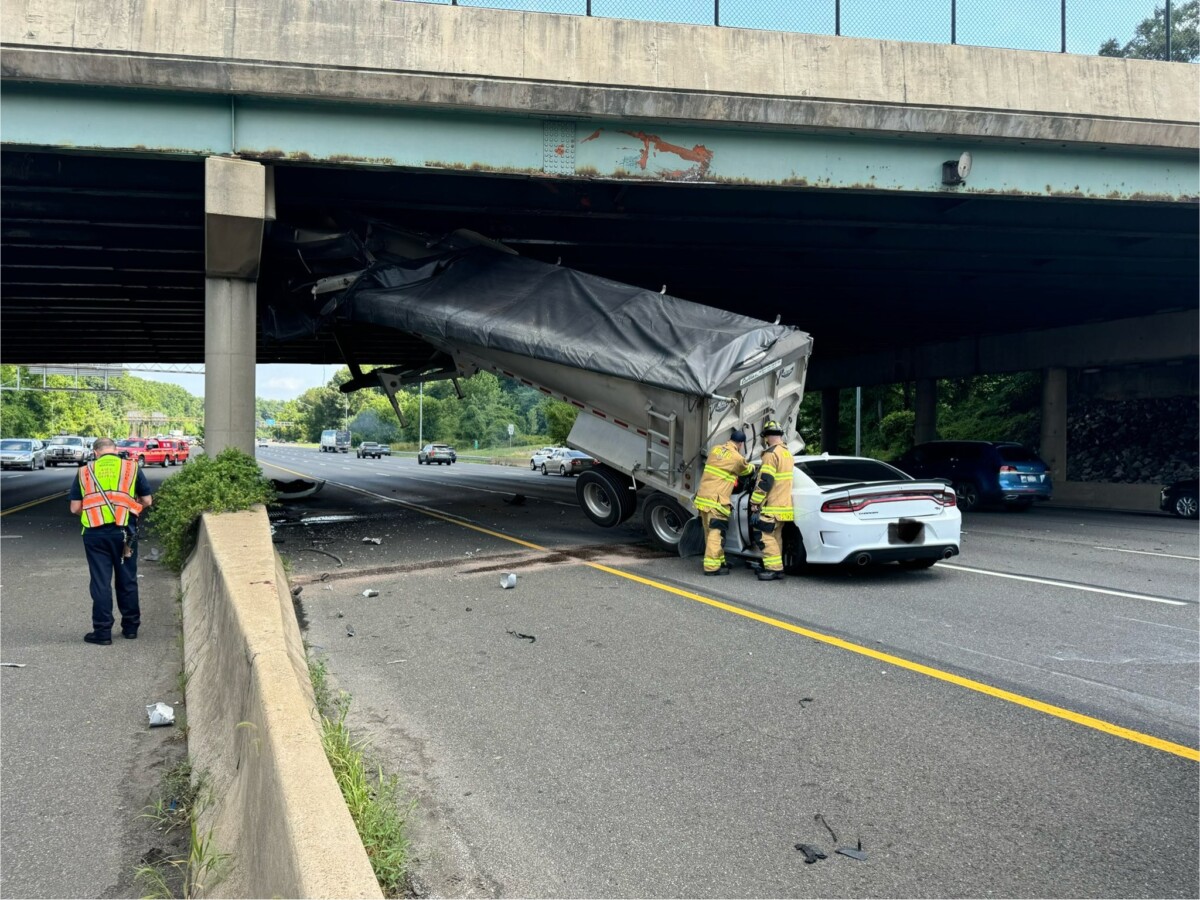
(1190, 631)
(1068, 585)
(1148, 553)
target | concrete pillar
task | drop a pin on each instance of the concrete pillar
(1054, 423)
(237, 202)
(830, 401)
(925, 428)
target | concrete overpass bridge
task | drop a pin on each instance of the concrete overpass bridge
(149, 146)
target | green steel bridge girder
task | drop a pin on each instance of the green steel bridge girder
(67, 117)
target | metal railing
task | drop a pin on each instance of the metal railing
(1146, 29)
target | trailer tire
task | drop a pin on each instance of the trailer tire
(605, 497)
(663, 518)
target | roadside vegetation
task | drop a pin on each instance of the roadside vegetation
(371, 797)
(229, 482)
(190, 865)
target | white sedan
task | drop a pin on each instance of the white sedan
(542, 456)
(852, 510)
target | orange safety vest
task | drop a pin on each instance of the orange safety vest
(105, 505)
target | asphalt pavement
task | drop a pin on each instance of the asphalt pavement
(1019, 723)
(78, 762)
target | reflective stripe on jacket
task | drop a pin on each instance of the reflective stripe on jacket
(774, 491)
(113, 478)
(721, 472)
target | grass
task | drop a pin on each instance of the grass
(198, 867)
(371, 797)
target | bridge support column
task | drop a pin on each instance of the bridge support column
(925, 427)
(1054, 423)
(830, 402)
(238, 201)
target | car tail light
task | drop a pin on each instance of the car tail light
(1009, 470)
(844, 504)
(947, 498)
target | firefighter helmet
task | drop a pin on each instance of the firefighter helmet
(772, 427)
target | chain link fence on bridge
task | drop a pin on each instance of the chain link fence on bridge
(1144, 29)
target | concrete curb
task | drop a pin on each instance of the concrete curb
(253, 725)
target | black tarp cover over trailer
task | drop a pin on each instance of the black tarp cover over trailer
(486, 298)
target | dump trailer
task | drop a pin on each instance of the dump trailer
(657, 380)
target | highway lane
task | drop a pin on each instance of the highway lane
(690, 718)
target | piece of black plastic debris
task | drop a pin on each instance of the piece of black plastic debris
(468, 609)
(811, 853)
(297, 590)
(515, 500)
(524, 637)
(820, 818)
(324, 576)
(852, 852)
(804, 700)
(349, 631)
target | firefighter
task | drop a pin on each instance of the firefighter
(726, 463)
(772, 500)
(108, 496)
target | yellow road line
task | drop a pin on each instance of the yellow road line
(33, 503)
(1059, 712)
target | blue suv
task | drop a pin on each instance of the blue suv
(982, 472)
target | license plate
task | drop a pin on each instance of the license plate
(1034, 479)
(906, 531)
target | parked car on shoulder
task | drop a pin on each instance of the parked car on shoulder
(569, 462)
(541, 456)
(67, 449)
(442, 454)
(1001, 473)
(369, 450)
(22, 453)
(1180, 498)
(177, 450)
(146, 451)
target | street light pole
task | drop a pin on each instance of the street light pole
(420, 414)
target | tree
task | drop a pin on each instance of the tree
(1150, 37)
(559, 419)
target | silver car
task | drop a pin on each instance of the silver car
(22, 453)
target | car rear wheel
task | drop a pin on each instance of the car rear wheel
(544, 472)
(1186, 506)
(605, 497)
(795, 557)
(562, 470)
(142, 462)
(968, 495)
(663, 520)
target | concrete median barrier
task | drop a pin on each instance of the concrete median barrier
(254, 728)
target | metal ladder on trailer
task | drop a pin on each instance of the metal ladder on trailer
(660, 459)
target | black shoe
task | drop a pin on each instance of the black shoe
(769, 575)
(754, 565)
(724, 570)
(129, 635)
(94, 637)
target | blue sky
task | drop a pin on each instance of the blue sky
(275, 382)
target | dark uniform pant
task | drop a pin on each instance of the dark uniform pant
(104, 545)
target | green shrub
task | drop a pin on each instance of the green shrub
(229, 482)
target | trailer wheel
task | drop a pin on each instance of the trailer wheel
(663, 520)
(605, 496)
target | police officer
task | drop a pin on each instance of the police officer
(108, 496)
(772, 499)
(726, 463)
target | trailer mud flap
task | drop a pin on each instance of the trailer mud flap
(691, 538)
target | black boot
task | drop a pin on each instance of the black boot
(770, 575)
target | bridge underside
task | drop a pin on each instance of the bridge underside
(103, 255)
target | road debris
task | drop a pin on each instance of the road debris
(160, 714)
(371, 540)
(153, 554)
(853, 852)
(508, 580)
(14, 665)
(811, 853)
(524, 637)
(297, 590)
(804, 700)
(333, 556)
(349, 631)
(515, 500)
(370, 593)
(394, 661)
